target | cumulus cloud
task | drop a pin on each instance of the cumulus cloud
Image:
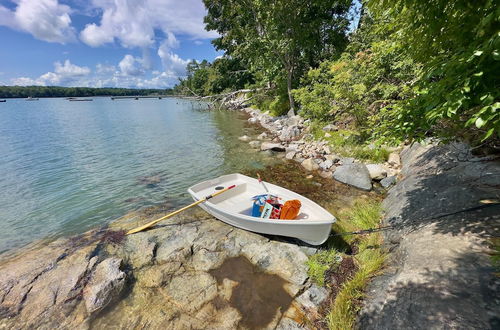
(64, 74)
(133, 23)
(171, 62)
(45, 19)
(131, 66)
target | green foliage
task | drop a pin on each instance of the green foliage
(369, 259)
(279, 39)
(223, 74)
(366, 78)
(414, 69)
(56, 91)
(457, 43)
(274, 100)
(320, 262)
(350, 143)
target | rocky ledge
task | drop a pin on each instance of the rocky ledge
(192, 271)
(290, 135)
(444, 212)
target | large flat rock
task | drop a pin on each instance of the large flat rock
(192, 271)
(439, 275)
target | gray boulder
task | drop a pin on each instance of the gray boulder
(106, 285)
(288, 133)
(355, 175)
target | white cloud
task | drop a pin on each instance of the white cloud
(45, 19)
(171, 61)
(131, 66)
(70, 70)
(129, 73)
(64, 74)
(104, 69)
(133, 23)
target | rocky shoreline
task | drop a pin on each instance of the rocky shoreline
(291, 136)
(196, 272)
(183, 273)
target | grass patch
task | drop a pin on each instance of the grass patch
(348, 143)
(369, 260)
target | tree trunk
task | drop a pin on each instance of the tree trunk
(289, 89)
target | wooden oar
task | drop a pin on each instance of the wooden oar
(141, 228)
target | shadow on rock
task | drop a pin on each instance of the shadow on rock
(257, 296)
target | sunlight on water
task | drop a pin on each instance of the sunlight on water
(68, 166)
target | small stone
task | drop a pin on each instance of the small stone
(310, 176)
(326, 174)
(262, 136)
(254, 144)
(333, 158)
(309, 164)
(377, 171)
(272, 146)
(387, 182)
(244, 138)
(394, 159)
(330, 128)
(327, 150)
(253, 120)
(326, 164)
(292, 147)
(327, 135)
(290, 155)
(346, 160)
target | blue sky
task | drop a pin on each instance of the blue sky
(101, 43)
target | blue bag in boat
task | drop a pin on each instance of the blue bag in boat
(258, 204)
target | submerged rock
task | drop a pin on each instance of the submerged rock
(254, 144)
(149, 180)
(310, 165)
(244, 138)
(355, 175)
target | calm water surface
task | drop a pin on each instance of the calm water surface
(68, 166)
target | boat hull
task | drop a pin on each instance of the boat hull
(233, 207)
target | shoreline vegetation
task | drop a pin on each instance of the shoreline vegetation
(58, 91)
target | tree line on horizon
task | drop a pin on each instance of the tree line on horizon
(410, 70)
(57, 91)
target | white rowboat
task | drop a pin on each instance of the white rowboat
(234, 207)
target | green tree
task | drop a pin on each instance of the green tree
(279, 39)
(457, 42)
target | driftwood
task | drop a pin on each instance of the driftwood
(232, 100)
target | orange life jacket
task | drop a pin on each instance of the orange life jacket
(290, 209)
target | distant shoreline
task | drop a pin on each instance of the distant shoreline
(9, 92)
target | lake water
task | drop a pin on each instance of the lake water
(66, 166)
